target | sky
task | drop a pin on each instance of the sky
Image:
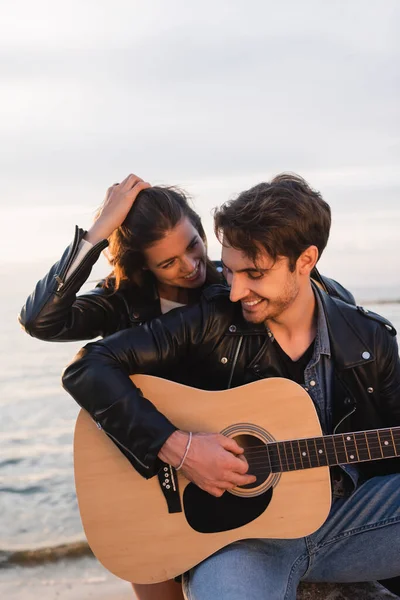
(212, 96)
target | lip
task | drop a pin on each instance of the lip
(197, 274)
(252, 308)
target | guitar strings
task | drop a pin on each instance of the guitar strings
(305, 462)
(267, 468)
(260, 450)
(270, 444)
(391, 452)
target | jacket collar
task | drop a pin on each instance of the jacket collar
(349, 346)
(346, 342)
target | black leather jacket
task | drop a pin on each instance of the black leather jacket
(215, 348)
(54, 312)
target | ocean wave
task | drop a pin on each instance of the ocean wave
(22, 478)
(9, 462)
(50, 433)
(34, 556)
(27, 489)
(35, 450)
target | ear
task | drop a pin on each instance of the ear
(307, 260)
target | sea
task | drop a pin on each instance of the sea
(39, 517)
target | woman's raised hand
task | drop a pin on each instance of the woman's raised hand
(117, 203)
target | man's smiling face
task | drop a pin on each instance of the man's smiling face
(266, 289)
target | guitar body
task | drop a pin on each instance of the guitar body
(125, 516)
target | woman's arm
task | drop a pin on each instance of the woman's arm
(54, 312)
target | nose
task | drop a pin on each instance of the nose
(188, 264)
(238, 289)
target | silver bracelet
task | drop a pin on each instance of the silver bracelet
(186, 452)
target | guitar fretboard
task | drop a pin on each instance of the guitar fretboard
(330, 450)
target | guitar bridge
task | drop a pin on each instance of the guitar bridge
(168, 481)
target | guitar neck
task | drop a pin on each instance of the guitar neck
(330, 450)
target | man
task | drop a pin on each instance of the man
(273, 322)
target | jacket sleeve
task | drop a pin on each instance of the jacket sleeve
(98, 379)
(389, 378)
(53, 312)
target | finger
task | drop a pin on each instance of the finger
(137, 188)
(231, 445)
(236, 479)
(243, 466)
(237, 464)
(112, 187)
(129, 180)
(216, 491)
(133, 180)
(142, 184)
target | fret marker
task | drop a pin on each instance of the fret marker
(320, 451)
(386, 443)
(304, 453)
(348, 438)
(352, 456)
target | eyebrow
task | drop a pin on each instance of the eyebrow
(248, 270)
(167, 260)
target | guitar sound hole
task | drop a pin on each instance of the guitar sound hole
(256, 454)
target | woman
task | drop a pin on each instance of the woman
(157, 248)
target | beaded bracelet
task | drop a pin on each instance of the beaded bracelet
(186, 452)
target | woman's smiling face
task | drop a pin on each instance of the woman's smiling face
(179, 258)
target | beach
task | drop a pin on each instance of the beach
(86, 579)
(80, 579)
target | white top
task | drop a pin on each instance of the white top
(167, 305)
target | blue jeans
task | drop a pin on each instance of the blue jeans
(360, 541)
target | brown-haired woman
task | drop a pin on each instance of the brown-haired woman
(157, 247)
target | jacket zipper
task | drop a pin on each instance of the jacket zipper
(235, 361)
(343, 419)
(118, 443)
(64, 285)
(60, 276)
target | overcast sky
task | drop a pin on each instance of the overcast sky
(214, 96)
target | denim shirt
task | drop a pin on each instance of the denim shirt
(318, 375)
(318, 382)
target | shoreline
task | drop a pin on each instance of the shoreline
(86, 579)
(81, 578)
(45, 554)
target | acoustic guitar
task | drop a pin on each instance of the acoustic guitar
(126, 517)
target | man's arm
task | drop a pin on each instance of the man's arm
(98, 379)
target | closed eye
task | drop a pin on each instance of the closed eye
(192, 245)
(255, 275)
(169, 264)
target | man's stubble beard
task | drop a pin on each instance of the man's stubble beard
(273, 310)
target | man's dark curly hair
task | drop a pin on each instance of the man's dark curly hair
(283, 217)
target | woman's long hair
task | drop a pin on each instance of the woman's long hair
(155, 211)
